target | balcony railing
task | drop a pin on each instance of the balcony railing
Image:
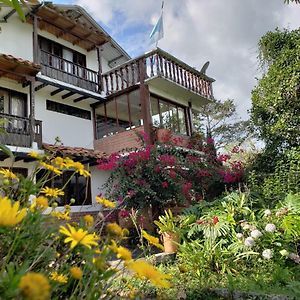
(157, 63)
(15, 131)
(64, 70)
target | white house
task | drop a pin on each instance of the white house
(62, 75)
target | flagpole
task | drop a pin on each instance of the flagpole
(162, 11)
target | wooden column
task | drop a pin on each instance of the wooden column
(32, 111)
(145, 101)
(190, 119)
(100, 79)
(36, 58)
(94, 119)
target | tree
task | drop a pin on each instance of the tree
(221, 123)
(276, 98)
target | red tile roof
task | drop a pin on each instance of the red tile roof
(74, 151)
(19, 60)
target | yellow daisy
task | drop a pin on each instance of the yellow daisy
(61, 215)
(79, 236)
(105, 202)
(35, 155)
(59, 162)
(8, 174)
(115, 229)
(76, 273)
(35, 286)
(79, 168)
(145, 270)
(60, 278)
(40, 202)
(10, 214)
(52, 192)
(51, 168)
(89, 220)
(124, 253)
(152, 240)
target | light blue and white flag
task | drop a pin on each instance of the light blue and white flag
(157, 32)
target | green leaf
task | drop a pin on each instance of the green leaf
(19, 10)
(6, 151)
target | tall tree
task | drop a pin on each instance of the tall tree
(219, 121)
(276, 98)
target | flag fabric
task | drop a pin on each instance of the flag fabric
(157, 32)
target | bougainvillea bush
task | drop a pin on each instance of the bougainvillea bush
(163, 175)
(44, 255)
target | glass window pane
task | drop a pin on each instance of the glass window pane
(165, 114)
(182, 121)
(155, 112)
(135, 108)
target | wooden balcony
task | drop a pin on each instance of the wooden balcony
(64, 70)
(15, 131)
(157, 64)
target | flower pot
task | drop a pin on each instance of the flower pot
(171, 240)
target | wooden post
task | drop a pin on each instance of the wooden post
(36, 58)
(100, 78)
(32, 111)
(145, 101)
(190, 119)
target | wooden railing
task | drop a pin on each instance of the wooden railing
(15, 131)
(64, 70)
(157, 63)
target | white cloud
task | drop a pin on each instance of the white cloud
(224, 32)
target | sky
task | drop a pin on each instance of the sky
(225, 33)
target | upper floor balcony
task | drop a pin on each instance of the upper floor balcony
(64, 70)
(161, 71)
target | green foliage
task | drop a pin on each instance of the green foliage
(275, 100)
(19, 5)
(221, 123)
(167, 222)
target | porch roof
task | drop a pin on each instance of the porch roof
(17, 68)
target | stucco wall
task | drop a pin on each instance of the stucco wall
(16, 38)
(73, 131)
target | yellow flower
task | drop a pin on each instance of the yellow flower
(124, 253)
(60, 278)
(152, 240)
(79, 168)
(121, 252)
(145, 270)
(61, 215)
(52, 192)
(10, 214)
(8, 174)
(79, 236)
(34, 154)
(51, 168)
(89, 220)
(105, 202)
(40, 202)
(76, 273)
(68, 162)
(34, 286)
(115, 229)
(59, 162)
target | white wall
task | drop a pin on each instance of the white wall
(73, 131)
(16, 37)
(98, 179)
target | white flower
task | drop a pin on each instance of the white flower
(295, 257)
(239, 236)
(267, 254)
(267, 213)
(284, 253)
(270, 228)
(249, 242)
(256, 234)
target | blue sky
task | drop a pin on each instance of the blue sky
(225, 33)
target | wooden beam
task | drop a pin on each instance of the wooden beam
(25, 84)
(40, 86)
(83, 38)
(80, 99)
(35, 40)
(56, 92)
(67, 30)
(9, 15)
(67, 95)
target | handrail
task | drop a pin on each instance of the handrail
(68, 61)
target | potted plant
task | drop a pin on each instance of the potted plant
(169, 228)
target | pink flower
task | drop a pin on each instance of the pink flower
(165, 184)
(124, 213)
(157, 169)
(210, 141)
(187, 187)
(215, 220)
(223, 157)
(167, 159)
(172, 174)
(203, 173)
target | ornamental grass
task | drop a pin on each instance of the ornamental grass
(44, 255)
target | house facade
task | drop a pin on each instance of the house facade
(62, 77)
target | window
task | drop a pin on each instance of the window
(13, 103)
(168, 115)
(68, 110)
(77, 187)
